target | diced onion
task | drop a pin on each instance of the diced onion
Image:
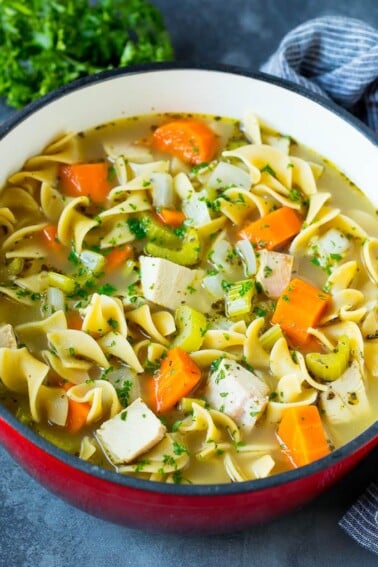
(248, 256)
(55, 299)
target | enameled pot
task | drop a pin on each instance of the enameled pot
(223, 91)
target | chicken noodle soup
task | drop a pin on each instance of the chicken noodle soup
(188, 299)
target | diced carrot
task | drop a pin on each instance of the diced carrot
(86, 179)
(191, 140)
(274, 229)
(117, 257)
(300, 306)
(74, 320)
(77, 412)
(171, 217)
(301, 431)
(50, 236)
(177, 377)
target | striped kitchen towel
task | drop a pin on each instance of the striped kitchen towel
(361, 520)
(336, 57)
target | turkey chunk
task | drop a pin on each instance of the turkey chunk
(170, 285)
(274, 273)
(238, 393)
(346, 398)
(130, 433)
(7, 337)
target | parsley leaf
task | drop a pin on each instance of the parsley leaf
(73, 38)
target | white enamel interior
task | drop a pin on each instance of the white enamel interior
(202, 91)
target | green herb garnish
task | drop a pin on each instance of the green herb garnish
(47, 44)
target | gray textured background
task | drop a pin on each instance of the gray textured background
(39, 530)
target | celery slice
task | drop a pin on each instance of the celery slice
(239, 298)
(15, 266)
(331, 365)
(187, 255)
(157, 233)
(270, 337)
(65, 283)
(191, 326)
(186, 404)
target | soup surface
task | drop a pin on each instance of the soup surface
(188, 299)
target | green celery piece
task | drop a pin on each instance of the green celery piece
(159, 234)
(331, 365)
(62, 282)
(188, 255)
(186, 404)
(239, 298)
(270, 337)
(15, 266)
(191, 326)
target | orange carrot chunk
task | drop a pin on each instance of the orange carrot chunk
(274, 229)
(74, 320)
(50, 236)
(177, 377)
(189, 140)
(302, 434)
(86, 179)
(77, 412)
(117, 257)
(300, 306)
(171, 217)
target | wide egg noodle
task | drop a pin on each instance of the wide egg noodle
(100, 395)
(275, 409)
(254, 353)
(87, 448)
(71, 374)
(149, 353)
(23, 243)
(56, 322)
(113, 230)
(77, 345)
(303, 176)
(370, 258)
(136, 202)
(117, 345)
(204, 357)
(316, 203)
(221, 339)
(22, 373)
(159, 166)
(7, 220)
(258, 156)
(301, 244)
(73, 226)
(103, 314)
(142, 317)
(52, 202)
(237, 204)
(164, 322)
(276, 197)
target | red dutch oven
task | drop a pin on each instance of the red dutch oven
(221, 91)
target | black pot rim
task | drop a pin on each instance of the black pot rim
(207, 490)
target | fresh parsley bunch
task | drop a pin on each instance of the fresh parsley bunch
(47, 43)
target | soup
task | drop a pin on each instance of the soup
(188, 299)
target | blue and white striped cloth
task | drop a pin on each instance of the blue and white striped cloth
(337, 57)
